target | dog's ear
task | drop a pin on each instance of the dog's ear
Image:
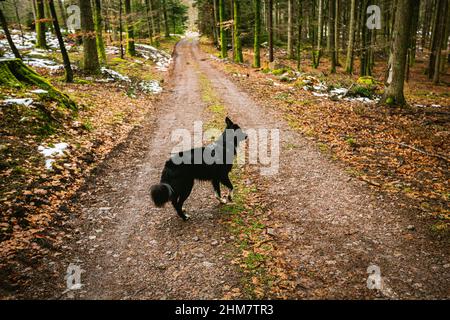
(228, 122)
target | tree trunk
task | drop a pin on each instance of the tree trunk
(223, 39)
(290, 50)
(90, 55)
(337, 32)
(299, 34)
(131, 50)
(14, 73)
(270, 28)
(150, 23)
(440, 34)
(351, 40)
(215, 21)
(63, 14)
(120, 29)
(317, 54)
(99, 30)
(331, 35)
(238, 57)
(8, 35)
(62, 46)
(166, 21)
(257, 40)
(393, 93)
(40, 25)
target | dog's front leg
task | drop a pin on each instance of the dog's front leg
(216, 186)
(226, 182)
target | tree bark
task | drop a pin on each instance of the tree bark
(299, 34)
(331, 35)
(99, 31)
(257, 40)
(90, 55)
(223, 39)
(62, 46)
(8, 35)
(270, 28)
(351, 41)
(40, 25)
(290, 30)
(393, 93)
(166, 21)
(131, 50)
(238, 57)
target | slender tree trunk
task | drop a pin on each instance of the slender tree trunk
(16, 10)
(90, 55)
(393, 93)
(270, 28)
(99, 30)
(120, 29)
(223, 39)
(8, 35)
(440, 34)
(150, 24)
(63, 14)
(40, 25)
(318, 52)
(331, 35)
(62, 46)
(257, 40)
(299, 34)
(351, 41)
(166, 22)
(337, 31)
(290, 30)
(215, 21)
(131, 50)
(238, 57)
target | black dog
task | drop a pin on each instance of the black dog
(211, 163)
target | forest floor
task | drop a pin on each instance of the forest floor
(310, 231)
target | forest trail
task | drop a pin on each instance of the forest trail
(330, 227)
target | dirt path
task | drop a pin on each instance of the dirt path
(330, 226)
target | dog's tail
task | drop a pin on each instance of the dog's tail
(161, 193)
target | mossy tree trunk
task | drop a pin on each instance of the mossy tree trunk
(99, 31)
(41, 41)
(67, 66)
(257, 40)
(238, 57)
(90, 55)
(8, 35)
(15, 74)
(393, 93)
(290, 33)
(223, 39)
(131, 49)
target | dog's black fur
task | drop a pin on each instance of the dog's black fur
(180, 170)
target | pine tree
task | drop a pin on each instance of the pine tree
(131, 49)
(257, 41)
(90, 55)
(41, 41)
(237, 34)
(98, 31)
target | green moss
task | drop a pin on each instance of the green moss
(16, 72)
(368, 81)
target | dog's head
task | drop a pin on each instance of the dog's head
(237, 135)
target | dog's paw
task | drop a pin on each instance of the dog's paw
(186, 217)
(222, 200)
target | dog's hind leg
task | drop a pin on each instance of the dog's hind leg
(216, 186)
(227, 183)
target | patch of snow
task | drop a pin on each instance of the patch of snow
(162, 59)
(151, 86)
(115, 75)
(51, 153)
(38, 91)
(24, 102)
